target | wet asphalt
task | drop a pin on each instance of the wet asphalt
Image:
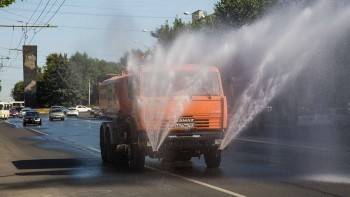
(279, 162)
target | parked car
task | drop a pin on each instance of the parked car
(23, 111)
(82, 108)
(14, 113)
(56, 113)
(31, 117)
(72, 112)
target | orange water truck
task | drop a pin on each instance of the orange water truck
(133, 112)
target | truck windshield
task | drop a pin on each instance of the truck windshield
(181, 83)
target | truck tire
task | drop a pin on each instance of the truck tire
(105, 145)
(136, 157)
(212, 158)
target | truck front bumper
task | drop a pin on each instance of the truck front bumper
(192, 141)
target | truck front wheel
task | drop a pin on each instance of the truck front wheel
(136, 157)
(212, 158)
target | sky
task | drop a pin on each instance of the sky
(104, 29)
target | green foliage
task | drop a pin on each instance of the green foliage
(4, 3)
(17, 92)
(54, 87)
(84, 69)
(236, 13)
(228, 13)
(64, 81)
(166, 33)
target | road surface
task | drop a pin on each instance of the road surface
(62, 159)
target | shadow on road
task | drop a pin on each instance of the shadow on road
(47, 163)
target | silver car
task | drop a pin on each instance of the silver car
(56, 113)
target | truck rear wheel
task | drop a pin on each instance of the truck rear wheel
(136, 157)
(212, 158)
(105, 146)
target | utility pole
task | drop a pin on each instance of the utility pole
(89, 92)
(25, 27)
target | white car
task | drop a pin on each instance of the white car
(82, 108)
(72, 112)
(56, 113)
(23, 111)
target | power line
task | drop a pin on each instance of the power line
(101, 8)
(12, 13)
(105, 15)
(56, 12)
(59, 7)
(26, 26)
(14, 67)
(47, 13)
(36, 9)
(42, 11)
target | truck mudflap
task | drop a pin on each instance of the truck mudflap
(199, 141)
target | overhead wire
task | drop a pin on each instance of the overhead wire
(108, 14)
(49, 20)
(36, 9)
(25, 31)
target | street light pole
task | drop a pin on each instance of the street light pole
(89, 92)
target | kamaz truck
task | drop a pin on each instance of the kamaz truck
(198, 129)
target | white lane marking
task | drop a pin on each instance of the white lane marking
(90, 121)
(283, 144)
(36, 131)
(9, 123)
(93, 149)
(231, 193)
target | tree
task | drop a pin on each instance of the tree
(17, 92)
(54, 88)
(84, 69)
(166, 33)
(228, 14)
(65, 81)
(4, 3)
(236, 13)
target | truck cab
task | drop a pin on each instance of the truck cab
(174, 115)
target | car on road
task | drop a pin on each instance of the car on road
(23, 112)
(56, 113)
(96, 112)
(72, 112)
(14, 113)
(65, 110)
(82, 108)
(31, 117)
